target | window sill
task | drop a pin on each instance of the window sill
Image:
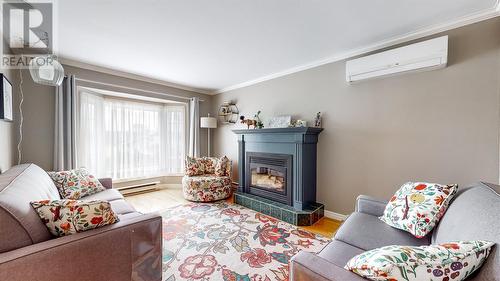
(148, 178)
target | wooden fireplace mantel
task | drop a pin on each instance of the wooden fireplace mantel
(299, 142)
(300, 130)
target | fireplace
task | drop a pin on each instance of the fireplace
(269, 176)
(277, 173)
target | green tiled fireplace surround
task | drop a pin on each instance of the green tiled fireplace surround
(281, 211)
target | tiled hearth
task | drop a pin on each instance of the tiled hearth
(281, 211)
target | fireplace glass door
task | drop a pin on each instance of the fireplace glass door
(269, 175)
(270, 178)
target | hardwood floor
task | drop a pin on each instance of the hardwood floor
(155, 201)
(325, 226)
(164, 198)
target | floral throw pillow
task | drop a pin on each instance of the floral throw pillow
(418, 206)
(223, 168)
(451, 261)
(194, 166)
(209, 164)
(66, 217)
(75, 184)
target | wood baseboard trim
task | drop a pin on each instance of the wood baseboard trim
(335, 216)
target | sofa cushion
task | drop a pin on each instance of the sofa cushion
(339, 252)
(417, 206)
(369, 232)
(66, 217)
(12, 234)
(128, 216)
(450, 261)
(474, 215)
(121, 207)
(19, 223)
(77, 183)
(106, 195)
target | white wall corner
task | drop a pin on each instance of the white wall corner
(335, 216)
(482, 15)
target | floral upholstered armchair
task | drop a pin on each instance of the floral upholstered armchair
(207, 179)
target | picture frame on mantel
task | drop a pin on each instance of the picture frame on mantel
(280, 121)
(6, 109)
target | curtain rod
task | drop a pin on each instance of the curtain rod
(134, 89)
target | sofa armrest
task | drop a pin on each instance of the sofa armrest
(128, 250)
(106, 182)
(305, 266)
(369, 205)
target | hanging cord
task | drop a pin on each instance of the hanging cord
(21, 118)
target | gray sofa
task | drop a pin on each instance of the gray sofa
(473, 214)
(128, 250)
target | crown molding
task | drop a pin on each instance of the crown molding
(130, 75)
(420, 33)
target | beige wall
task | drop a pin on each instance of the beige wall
(38, 125)
(7, 129)
(39, 110)
(438, 126)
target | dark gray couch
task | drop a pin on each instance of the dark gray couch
(473, 214)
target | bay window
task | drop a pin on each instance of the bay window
(126, 138)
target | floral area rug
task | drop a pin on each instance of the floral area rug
(228, 242)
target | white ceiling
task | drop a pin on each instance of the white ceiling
(217, 44)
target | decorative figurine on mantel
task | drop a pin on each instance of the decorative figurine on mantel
(298, 123)
(317, 120)
(256, 123)
(248, 122)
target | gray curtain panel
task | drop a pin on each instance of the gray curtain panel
(65, 125)
(194, 127)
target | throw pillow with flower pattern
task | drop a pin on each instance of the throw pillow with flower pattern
(66, 217)
(418, 206)
(194, 166)
(451, 261)
(75, 184)
(223, 168)
(209, 164)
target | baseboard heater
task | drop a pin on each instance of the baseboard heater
(138, 188)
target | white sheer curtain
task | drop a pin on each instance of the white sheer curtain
(126, 139)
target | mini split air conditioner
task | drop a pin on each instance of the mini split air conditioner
(422, 56)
